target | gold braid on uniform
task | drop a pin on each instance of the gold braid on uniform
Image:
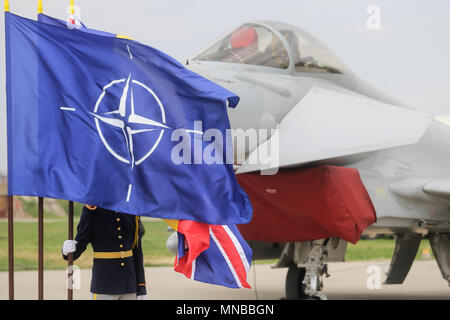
(136, 233)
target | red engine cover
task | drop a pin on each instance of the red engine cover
(307, 204)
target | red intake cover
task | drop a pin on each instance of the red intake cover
(307, 204)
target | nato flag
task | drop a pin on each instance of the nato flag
(92, 119)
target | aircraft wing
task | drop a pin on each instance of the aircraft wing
(327, 124)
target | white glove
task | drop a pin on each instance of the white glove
(69, 246)
(143, 297)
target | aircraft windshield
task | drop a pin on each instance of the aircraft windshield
(310, 55)
(249, 44)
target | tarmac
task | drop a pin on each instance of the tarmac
(348, 280)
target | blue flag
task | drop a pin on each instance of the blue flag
(226, 261)
(97, 120)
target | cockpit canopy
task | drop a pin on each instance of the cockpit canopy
(249, 44)
(272, 44)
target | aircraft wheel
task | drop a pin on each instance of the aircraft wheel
(295, 289)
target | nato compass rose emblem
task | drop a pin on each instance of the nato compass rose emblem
(127, 119)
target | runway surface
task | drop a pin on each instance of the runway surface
(348, 280)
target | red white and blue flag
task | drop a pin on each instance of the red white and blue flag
(215, 254)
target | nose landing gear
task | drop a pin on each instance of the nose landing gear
(306, 282)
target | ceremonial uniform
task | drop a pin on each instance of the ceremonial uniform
(118, 260)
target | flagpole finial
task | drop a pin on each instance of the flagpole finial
(39, 6)
(6, 5)
(72, 7)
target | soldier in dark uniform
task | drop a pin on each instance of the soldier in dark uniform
(118, 270)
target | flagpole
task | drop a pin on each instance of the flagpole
(40, 248)
(70, 218)
(10, 224)
(11, 246)
(70, 256)
(40, 227)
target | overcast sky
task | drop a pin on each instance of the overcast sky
(408, 57)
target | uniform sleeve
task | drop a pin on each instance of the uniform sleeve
(83, 233)
(139, 264)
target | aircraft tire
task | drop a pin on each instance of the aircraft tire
(295, 289)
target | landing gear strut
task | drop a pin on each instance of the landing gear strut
(306, 282)
(315, 268)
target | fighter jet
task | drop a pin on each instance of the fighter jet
(322, 117)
